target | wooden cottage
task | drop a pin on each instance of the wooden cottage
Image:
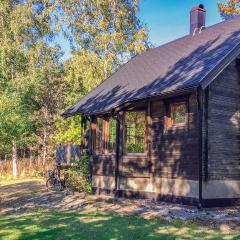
(166, 125)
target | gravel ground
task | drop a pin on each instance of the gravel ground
(30, 195)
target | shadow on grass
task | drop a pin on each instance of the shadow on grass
(103, 226)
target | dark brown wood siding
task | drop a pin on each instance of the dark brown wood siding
(134, 166)
(175, 149)
(104, 165)
(223, 125)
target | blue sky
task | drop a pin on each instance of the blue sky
(169, 19)
(166, 19)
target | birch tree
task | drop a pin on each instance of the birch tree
(229, 9)
(25, 29)
(103, 35)
(36, 86)
(110, 29)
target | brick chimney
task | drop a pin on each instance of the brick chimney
(197, 18)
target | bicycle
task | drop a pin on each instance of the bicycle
(54, 183)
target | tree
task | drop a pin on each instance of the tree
(103, 35)
(110, 29)
(229, 9)
(25, 30)
(49, 90)
(36, 86)
(14, 19)
(82, 72)
(14, 123)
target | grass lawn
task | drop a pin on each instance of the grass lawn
(6, 181)
(100, 226)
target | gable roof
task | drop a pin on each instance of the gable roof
(180, 65)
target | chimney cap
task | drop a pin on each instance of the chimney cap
(199, 7)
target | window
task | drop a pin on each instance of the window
(105, 136)
(176, 114)
(99, 133)
(112, 136)
(134, 132)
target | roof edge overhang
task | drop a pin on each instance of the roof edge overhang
(210, 77)
(207, 79)
(122, 105)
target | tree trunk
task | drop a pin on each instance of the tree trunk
(30, 160)
(24, 153)
(14, 158)
(44, 145)
(105, 69)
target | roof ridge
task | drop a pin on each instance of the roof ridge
(172, 66)
(189, 35)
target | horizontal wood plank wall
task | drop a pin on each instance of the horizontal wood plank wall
(224, 125)
(104, 165)
(134, 166)
(174, 154)
(103, 172)
(175, 149)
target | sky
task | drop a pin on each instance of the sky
(166, 20)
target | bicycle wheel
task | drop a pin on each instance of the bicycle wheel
(53, 184)
(50, 184)
(58, 185)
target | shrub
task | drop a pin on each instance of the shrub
(78, 176)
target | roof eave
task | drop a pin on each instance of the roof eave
(220, 67)
(206, 80)
(122, 105)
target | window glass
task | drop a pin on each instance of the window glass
(178, 113)
(134, 132)
(112, 135)
(99, 131)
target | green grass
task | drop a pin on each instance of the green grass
(99, 226)
(7, 181)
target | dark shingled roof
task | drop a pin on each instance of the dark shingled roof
(176, 66)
